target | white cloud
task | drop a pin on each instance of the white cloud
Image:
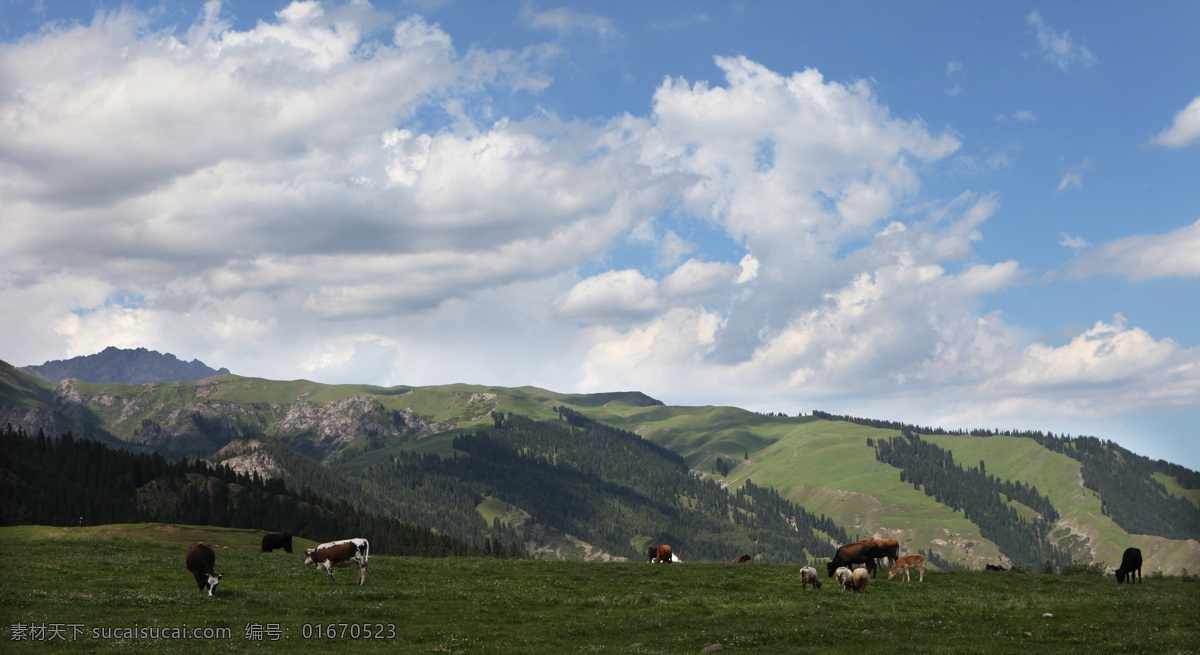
(1077, 243)
(1073, 176)
(1144, 257)
(321, 230)
(1058, 47)
(565, 21)
(1184, 130)
(614, 296)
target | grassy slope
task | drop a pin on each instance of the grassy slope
(828, 468)
(134, 576)
(817, 463)
(1174, 488)
(825, 466)
(19, 389)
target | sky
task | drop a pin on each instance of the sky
(953, 214)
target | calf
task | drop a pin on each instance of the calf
(860, 577)
(808, 575)
(909, 562)
(200, 559)
(340, 553)
(1131, 562)
(276, 540)
(845, 578)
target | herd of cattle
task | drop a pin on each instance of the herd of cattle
(201, 559)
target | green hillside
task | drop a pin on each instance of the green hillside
(826, 466)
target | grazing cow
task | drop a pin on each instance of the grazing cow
(340, 553)
(740, 559)
(909, 562)
(808, 575)
(994, 567)
(856, 553)
(200, 559)
(276, 540)
(860, 578)
(1131, 562)
(881, 548)
(652, 553)
(845, 578)
(664, 555)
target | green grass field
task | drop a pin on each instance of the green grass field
(88, 581)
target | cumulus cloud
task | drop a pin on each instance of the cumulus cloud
(1058, 47)
(1184, 131)
(1144, 257)
(278, 199)
(613, 296)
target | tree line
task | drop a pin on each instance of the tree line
(68, 481)
(609, 486)
(980, 496)
(1122, 479)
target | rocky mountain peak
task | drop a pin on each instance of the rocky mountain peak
(124, 366)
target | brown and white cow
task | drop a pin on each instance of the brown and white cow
(200, 560)
(275, 540)
(340, 553)
(909, 562)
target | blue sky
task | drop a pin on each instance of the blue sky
(946, 213)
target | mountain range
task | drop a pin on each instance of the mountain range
(599, 476)
(124, 366)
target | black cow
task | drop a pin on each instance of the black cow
(1131, 562)
(276, 540)
(994, 567)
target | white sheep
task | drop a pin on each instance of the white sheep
(844, 577)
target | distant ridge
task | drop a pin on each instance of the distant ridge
(124, 366)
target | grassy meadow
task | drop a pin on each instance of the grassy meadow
(133, 576)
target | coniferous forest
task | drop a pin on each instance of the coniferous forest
(1134, 500)
(67, 481)
(981, 497)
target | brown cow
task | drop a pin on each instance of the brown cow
(652, 554)
(340, 553)
(740, 559)
(664, 555)
(200, 560)
(856, 553)
(881, 548)
(909, 562)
